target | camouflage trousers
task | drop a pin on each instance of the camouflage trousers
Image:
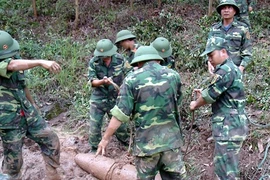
(226, 159)
(97, 113)
(169, 164)
(36, 129)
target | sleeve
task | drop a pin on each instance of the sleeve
(3, 68)
(92, 70)
(179, 88)
(221, 81)
(246, 49)
(252, 3)
(125, 102)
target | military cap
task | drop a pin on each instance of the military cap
(214, 43)
(123, 35)
(163, 46)
(8, 46)
(228, 2)
(105, 47)
(145, 53)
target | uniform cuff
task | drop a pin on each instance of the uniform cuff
(207, 97)
(3, 68)
(116, 112)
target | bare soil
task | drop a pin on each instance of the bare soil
(199, 157)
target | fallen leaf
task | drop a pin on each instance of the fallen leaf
(260, 146)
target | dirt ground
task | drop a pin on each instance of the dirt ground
(199, 159)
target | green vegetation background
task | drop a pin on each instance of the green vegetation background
(53, 36)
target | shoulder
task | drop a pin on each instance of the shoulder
(94, 59)
(240, 25)
(216, 25)
(118, 56)
(170, 73)
(227, 68)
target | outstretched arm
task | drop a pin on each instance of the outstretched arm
(198, 102)
(21, 64)
(113, 126)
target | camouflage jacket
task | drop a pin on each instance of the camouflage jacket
(239, 44)
(169, 62)
(226, 93)
(129, 56)
(151, 95)
(243, 16)
(243, 6)
(12, 98)
(97, 70)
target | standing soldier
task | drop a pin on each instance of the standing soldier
(105, 70)
(18, 117)
(150, 97)
(235, 32)
(245, 7)
(229, 122)
(163, 46)
(126, 40)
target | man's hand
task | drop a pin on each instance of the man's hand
(242, 68)
(52, 66)
(193, 105)
(106, 80)
(196, 93)
(101, 147)
(210, 68)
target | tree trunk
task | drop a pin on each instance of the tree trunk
(210, 7)
(34, 8)
(77, 13)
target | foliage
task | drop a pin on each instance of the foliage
(71, 84)
(56, 39)
(257, 78)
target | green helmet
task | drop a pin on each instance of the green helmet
(123, 35)
(8, 46)
(214, 43)
(163, 46)
(145, 53)
(228, 2)
(105, 47)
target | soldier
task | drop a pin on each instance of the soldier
(18, 117)
(126, 40)
(229, 122)
(105, 70)
(245, 7)
(235, 32)
(163, 46)
(150, 97)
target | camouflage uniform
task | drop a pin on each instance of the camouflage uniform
(243, 15)
(169, 62)
(103, 97)
(238, 37)
(129, 55)
(19, 119)
(150, 95)
(229, 122)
